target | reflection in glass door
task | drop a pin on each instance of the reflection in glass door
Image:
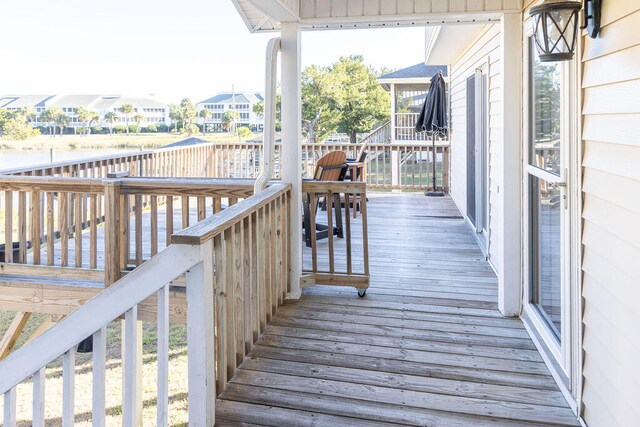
(546, 193)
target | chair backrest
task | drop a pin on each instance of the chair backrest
(331, 167)
(362, 153)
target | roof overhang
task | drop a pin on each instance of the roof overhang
(444, 44)
(266, 15)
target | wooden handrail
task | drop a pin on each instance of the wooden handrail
(48, 184)
(212, 226)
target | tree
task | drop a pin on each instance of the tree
(138, 118)
(95, 118)
(189, 114)
(127, 110)
(229, 120)
(49, 116)
(84, 116)
(15, 124)
(319, 115)
(243, 133)
(205, 114)
(175, 114)
(111, 117)
(258, 109)
(360, 99)
(62, 121)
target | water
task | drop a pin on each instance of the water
(11, 159)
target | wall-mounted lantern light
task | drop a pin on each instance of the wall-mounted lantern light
(555, 29)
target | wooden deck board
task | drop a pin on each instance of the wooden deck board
(426, 346)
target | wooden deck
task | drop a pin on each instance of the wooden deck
(426, 346)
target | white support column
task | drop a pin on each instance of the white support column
(291, 149)
(510, 232)
(395, 160)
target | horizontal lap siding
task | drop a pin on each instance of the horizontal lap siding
(611, 218)
(485, 47)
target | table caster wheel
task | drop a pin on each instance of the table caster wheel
(362, 292)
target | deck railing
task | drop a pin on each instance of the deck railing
(42, 215)
(236, 264)
(405, 128)
(341, 260)
(389, 166)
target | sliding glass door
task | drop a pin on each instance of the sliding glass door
(549, 138)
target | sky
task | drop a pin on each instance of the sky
(171, 49)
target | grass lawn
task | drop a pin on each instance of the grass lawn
(178, 411)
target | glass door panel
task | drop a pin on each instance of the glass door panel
(545, 233)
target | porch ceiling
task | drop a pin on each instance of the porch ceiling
(446, 42)
(266, 15)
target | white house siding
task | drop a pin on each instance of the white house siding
(485, 47)
(611, 218)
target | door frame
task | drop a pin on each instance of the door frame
(481, 109)
(564, 360)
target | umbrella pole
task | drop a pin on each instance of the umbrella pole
(434, 192)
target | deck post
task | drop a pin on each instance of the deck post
(112, 267)
(509, 234)
(200, 340)
(395, 159)
(291, 149)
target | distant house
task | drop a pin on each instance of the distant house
(241, 102)
(153, 111)
(408, 88)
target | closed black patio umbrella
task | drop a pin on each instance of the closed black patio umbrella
(433, 120)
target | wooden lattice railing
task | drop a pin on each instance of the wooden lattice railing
(236, 264)
(341, 259)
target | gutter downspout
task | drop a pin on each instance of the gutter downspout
(269, 142)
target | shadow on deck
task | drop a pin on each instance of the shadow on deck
(426, 346)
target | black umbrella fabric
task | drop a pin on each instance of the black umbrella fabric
(433, 119)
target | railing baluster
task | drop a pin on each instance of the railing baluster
(231, 311)
(154, 225)
(8, 226)
(328, 201)
(38, 415)
(35, 226)
(68, 387)
(50, 229)
(10, 408)
(163, 357)
(221, 311)
(138, 222)
(169, 219)
(185, 211)
(238, 283)
(130, 369)
(63, 215)
(22, 227)
(78, 229)
(93, 230)
(99, 358)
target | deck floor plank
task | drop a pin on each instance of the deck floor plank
(426, 346)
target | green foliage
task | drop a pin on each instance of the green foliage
(258, 109)
(360, 99)
(14, 125)
(190, 129)
(127, 110)
(119, 129)
(162, 127)
(49, 116)
(132, 128)
(97, 129)
(152, 128)
(229, 119)
(320, 116)
(110, 118)
(244, 133)
(184, 113)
